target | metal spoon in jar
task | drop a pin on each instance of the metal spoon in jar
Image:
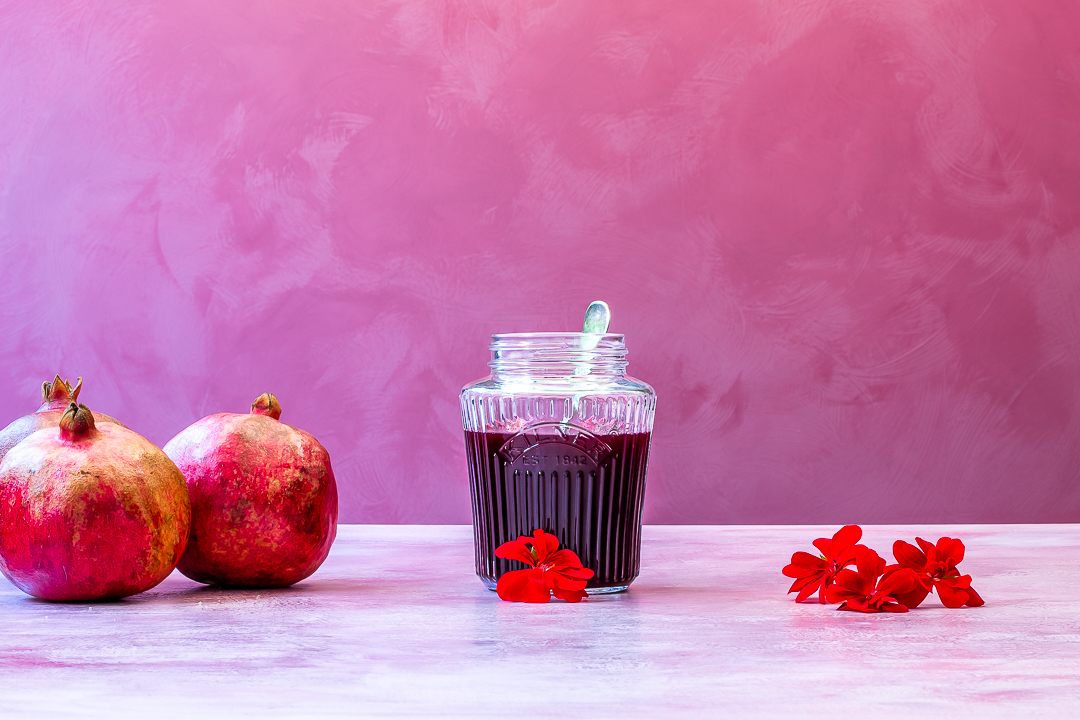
(597, 318)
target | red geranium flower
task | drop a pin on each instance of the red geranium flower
(816, 573)
(552, 570)
(934, 567)
(863, 592)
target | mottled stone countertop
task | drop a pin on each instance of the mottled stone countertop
(395, 624)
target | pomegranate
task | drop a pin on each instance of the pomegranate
(263, 499)
(55, 396)
(90, 511)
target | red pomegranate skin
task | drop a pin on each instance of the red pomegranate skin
(96, 516)
(263, 499)
(56, 396)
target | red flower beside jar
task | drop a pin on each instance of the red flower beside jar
(551, 572)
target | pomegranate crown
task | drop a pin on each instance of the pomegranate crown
(58, 393)
(266, 404)
(77, 423)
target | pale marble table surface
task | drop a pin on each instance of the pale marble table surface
(396, 624)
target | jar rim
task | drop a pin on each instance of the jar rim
(558, 354)
(546, 335)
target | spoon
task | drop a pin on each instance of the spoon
(597, 318)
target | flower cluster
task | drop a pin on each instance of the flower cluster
(874, 586)
(551, 571)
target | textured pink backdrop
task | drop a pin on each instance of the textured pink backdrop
(843, 238)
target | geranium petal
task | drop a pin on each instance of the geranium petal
(950, 551)
(833, 595)
(951, 597)
(964, 581)
(807, 590)
(546, 544)
(512, 585)
(536, 593)
(794, 571)
(869, 563)
(850, 580)
(565, 558)
(824, 546)
(913, 598)
(845, 579)
(570, 595)
(837, 592)
(898, 581)
(564, 583)
(579, 573)
(515, 550)
(845, 538)
(805, 561)
(893, 607)
(903, 580)
(909, 556)
(927, 548)
(810, 580)
(974, 600)
(856, 604)
(847, 557)
(807, 575)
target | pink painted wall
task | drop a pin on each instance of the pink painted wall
(843, 238)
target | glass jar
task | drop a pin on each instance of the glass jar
(557, 438)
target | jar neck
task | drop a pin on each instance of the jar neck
(557, 355)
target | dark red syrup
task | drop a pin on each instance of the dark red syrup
(586, 489)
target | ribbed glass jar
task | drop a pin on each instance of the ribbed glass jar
(557, 438)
